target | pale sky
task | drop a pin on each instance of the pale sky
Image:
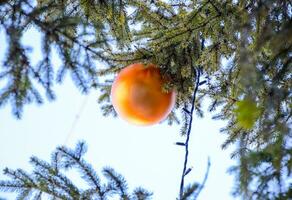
(145, 156)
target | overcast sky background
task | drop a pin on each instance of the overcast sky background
(145, 156)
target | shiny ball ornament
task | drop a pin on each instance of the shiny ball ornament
(137, 95)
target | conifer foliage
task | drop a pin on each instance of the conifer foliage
(49, 179)
(242, 49)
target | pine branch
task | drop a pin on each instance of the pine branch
(141, 194)
(72, 159)
(189, 191)
(252, 36)
(50, 179)
(117, 182)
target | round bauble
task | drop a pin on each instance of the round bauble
(137, 95)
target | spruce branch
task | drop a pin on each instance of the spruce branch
(117, 182)
(258, 67)
(50, 179)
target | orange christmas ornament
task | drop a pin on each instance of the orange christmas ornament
(137, 95)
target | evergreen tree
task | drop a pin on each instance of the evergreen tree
(235, 52)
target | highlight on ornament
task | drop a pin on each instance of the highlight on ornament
(137, 95)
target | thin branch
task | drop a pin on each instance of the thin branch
(216, 8)
(198, 11)
(204, 181)
(198, 74)
(41, 24)
(188, 30)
